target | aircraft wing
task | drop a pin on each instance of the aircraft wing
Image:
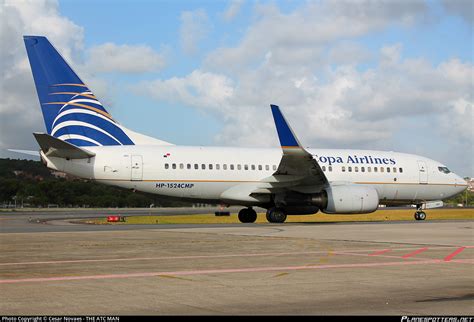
(297, 169)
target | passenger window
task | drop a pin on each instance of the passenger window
(267, 167)
(232, 167)
(196, 166)
(376, 169)
(381, 169)
(260, 167)
(330, 168)
(400, 170)
(224, 166)
(173, 165)
(181, 166)
(395, 170)
(253, 166)
(246, 167)
(369, 169)
(218, 166)
(274, 167)
(343, 169)
(239, 167)
(388, 169)
(203, 166)
(210, 166)
(188, 166)
(167, 165)
(349, 169)
(362, 169)
(356, 169)
(323, 167)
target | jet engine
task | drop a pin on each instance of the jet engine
(351, 199)
(341, 199)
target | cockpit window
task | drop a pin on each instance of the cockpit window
(444, 170)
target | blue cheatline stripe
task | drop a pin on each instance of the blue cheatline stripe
(108, 127)
(79, 142)
(87, 132)
(284, 132)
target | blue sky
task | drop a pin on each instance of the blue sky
(396, 75)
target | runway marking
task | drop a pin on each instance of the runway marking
(421, 250)
(380, 252)
(223, 271)
(180, 257)
(339, 252)
(369, 255)
(451, 256)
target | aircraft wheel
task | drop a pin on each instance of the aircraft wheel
(276, 215)
(268, 214)
(247, 215)
(421, 216)
(417, 217)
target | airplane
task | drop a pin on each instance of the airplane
(84, 140)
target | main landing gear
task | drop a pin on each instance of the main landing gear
(247, 215)
(419, 214)
(276, 215)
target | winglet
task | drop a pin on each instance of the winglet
(286, 135)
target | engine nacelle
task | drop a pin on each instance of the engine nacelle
(351, 199)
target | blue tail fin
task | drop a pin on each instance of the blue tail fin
(71, 112)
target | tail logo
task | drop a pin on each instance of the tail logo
(81, 119)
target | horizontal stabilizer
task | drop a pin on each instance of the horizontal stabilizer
(54, 147)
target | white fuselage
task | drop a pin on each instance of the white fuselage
(204, 173)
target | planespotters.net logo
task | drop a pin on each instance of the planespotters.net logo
(437, 319)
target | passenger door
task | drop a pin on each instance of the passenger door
(423, 171)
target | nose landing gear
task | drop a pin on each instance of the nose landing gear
(419, 214)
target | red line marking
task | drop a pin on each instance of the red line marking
(380, 252)
(450, 256)
(217, 271)
(415, 252)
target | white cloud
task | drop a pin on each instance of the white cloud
(299, 35)
(194, 28)
(110, 57)
(200, 89)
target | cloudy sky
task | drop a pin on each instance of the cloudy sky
(392, 75)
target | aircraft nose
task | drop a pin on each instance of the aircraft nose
(460, 183)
